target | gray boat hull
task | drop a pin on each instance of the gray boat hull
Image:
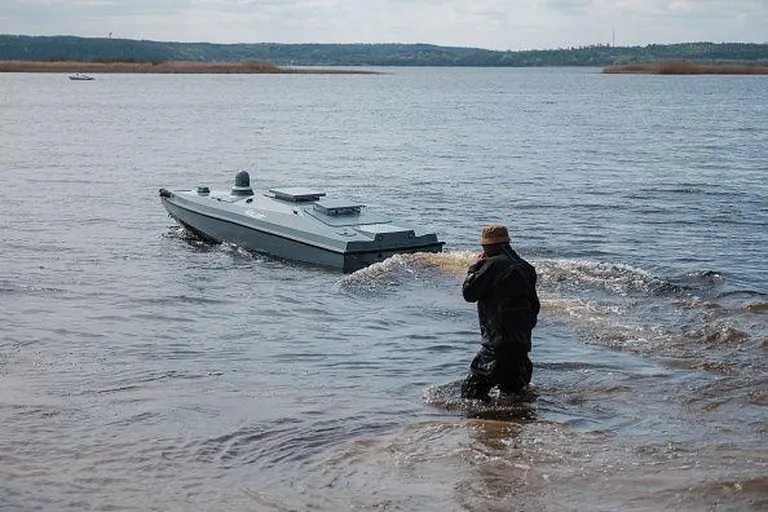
(306, 230)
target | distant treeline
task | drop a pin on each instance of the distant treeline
(52, 48)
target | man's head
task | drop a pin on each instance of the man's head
(494, 235)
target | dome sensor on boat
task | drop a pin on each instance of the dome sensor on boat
(242, 185)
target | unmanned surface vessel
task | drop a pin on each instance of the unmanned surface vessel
(295, 223)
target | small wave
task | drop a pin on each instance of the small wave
(35, 417)
(284, 440)
(407, 267)
(717, 335)
(173, 300)
(12, 288)
(758, 307)
(616, 277)
(571, 307)
(146, 417)
(747, 293)
(702, 365)
(709, 276)
(575, 365)
(180, 232)
(234, 445)
(679, 190)
(234, 251)
(682, 330)
(420, 467)
(191, 239)
(748, 493)
(243, 254)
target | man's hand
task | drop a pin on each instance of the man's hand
(475, 266)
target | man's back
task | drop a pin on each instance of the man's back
(504, 287)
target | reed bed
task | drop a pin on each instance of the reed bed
(683, 67)
(170, 67)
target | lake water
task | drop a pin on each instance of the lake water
(143, 370)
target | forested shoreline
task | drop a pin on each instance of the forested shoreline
(83, 49)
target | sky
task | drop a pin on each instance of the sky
(491, 24)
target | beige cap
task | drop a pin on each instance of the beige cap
(494, 234)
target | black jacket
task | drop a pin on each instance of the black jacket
(504, 286)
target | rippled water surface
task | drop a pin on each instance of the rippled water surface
(141, 369)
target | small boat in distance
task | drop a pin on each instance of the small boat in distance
(80, 76)
(295, 223)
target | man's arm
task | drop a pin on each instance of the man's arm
(479, 279)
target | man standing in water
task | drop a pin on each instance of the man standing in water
(504, 286)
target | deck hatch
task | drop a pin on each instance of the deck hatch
(334, 208)
(296, 194)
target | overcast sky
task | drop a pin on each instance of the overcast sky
(493, 24)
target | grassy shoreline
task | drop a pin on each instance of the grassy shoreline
(175, 67)
(684, 67)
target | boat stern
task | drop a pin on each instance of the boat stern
(359, 260)
(384, 241)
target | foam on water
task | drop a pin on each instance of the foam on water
(617, 278)
(591, 297)
(411, 264)
(499, 407)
